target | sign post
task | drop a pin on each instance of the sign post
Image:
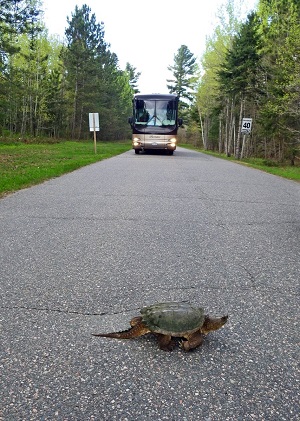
(245, 129)
(94, 127)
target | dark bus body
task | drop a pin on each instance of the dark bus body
(154, 122)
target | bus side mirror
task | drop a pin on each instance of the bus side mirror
(180, 122)
(130, 120)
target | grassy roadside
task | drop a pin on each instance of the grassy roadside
(23, 165)
(285, 171)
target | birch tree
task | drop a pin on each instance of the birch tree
(213, 107)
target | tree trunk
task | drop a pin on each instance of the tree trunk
(204, 140)
(231, 128)
(238, 142)
(220, 133)
(226, 127)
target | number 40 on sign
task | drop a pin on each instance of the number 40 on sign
(246, 125)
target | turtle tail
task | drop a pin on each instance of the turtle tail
(211, 323)
(135, 331)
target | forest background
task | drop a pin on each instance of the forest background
(249, 69)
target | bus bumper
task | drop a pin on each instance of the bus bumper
(154, 143)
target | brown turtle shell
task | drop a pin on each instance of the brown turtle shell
(171, 318)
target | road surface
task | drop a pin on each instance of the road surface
(81, 253)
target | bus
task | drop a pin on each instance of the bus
(154, 122)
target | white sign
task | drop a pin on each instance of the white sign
(94, 122)
(246, 125)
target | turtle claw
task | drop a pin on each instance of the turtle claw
(184, 345)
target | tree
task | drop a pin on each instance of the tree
(184, 77)
(15, 15)
(215, 106)
(85, 42)
(211, 111)
(93, 78)
(238, 79)
(54, 118)
(133, 77)
(279, 116)
(19, 23)
(253, 70)
(114, 100)
(49, 88)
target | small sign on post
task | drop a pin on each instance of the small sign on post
(246, 125)
(245, 129)
(94, 126)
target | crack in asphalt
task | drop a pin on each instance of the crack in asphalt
(57, 310)
(252, 277)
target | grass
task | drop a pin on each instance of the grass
(23, 165)
(272, 167)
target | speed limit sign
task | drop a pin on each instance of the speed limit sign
(246, 125)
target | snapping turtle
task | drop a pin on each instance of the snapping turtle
(171, 320)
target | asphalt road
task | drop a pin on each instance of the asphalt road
(80, 254)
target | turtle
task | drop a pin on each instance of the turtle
(170, 320)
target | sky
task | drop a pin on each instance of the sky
(146, 34)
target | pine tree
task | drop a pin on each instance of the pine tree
(85, 44)
(16, 16)
(94, 82)
(184, 76)
(239, 82)
(279, 106)
(133, 77)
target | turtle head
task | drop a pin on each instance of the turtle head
(211, 323)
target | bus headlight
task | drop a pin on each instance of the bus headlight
(172, 142)
(136, 141)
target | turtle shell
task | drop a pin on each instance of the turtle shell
(173, 318)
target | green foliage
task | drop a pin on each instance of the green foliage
(184, 77)
(93, 80)
(249, 69)
(16, 17)
(279, 114)
(238, 74)
(210, 94)
(253, 70)
(133, 77)
(47, 88)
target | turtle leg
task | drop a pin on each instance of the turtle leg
(193, 341)
(135, 321)
(165, 342)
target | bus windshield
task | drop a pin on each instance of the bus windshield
(151, 112)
